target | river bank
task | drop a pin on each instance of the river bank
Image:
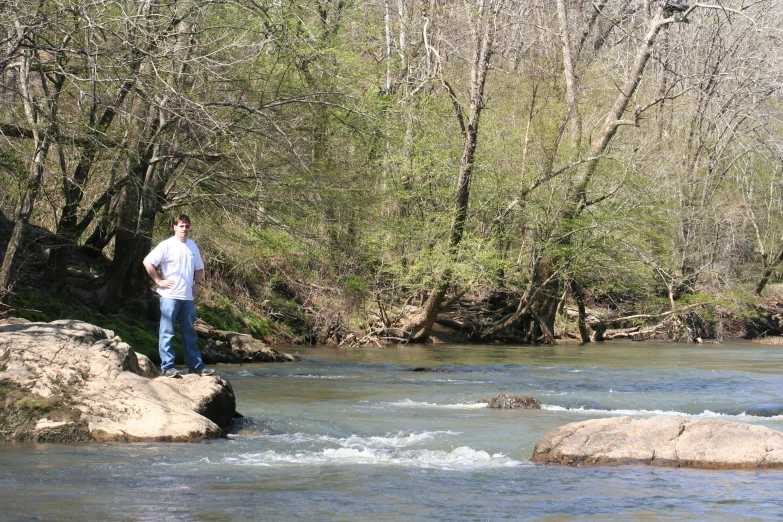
(292, 309)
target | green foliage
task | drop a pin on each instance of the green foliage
(11, 162)
(302, 169)
(221, 313)
(238, 253)
(32, 404)
(140, 334)
(293, 315)
(354, 285)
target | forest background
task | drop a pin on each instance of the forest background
(398, 170)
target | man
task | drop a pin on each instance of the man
(183, 270)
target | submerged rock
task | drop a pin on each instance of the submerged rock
(663, 441)
(73, 381)
(512, 402)
(765, 410)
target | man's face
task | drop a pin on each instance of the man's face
(181, 230)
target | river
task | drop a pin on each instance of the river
(353, 434)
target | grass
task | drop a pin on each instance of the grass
(139, 333)
(221, 313)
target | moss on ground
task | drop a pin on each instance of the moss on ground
(139, 333)
(221, 313)
(21, 409)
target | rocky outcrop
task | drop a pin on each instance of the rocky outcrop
(512, 402)
(219, 346)
(73, 381)
(663, 441)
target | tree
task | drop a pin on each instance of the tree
(484, 25)
(41, 126)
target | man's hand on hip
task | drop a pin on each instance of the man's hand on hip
(166, 283)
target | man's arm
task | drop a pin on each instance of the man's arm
(153, 273)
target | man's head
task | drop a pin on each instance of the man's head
(181, 227)
(182, 218)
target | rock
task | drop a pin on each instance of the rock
(13, 320)
(765, 410)
(73, 381)
(663, 441)
(425, 369)
(219, 346)
(512, 402)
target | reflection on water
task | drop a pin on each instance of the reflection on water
(354, 434)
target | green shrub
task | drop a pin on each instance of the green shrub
(221, 313)
(294, 316)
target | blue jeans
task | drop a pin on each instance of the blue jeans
(184, 312)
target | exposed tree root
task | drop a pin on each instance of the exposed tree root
(514, 318)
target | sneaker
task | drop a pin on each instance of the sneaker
(170, 372)
(204, 372)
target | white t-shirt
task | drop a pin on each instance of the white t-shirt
(178, 261)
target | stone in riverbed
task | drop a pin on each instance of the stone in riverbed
(663, 441)
(73, 381)
(765, 410)
(512, 402)
(218, 346)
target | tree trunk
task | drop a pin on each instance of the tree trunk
(69, 227)
(544, 301)
(26, 208)
(126, 280)
(41, 141)
(579, 295)
(570, 77)
(144, 195)
(769, 268)
(486, 27)
(419, 329)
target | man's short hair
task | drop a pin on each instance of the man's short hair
(182, 218)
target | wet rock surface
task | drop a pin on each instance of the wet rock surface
(512, 402)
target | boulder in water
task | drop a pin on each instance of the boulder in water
(512, 402)
(663, 441)
(73, 381)
(765, 410)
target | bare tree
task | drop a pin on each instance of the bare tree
(41, 125)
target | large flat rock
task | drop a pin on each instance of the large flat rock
(70, 380)
(663, 441)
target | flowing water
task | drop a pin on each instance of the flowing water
(354, 434)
